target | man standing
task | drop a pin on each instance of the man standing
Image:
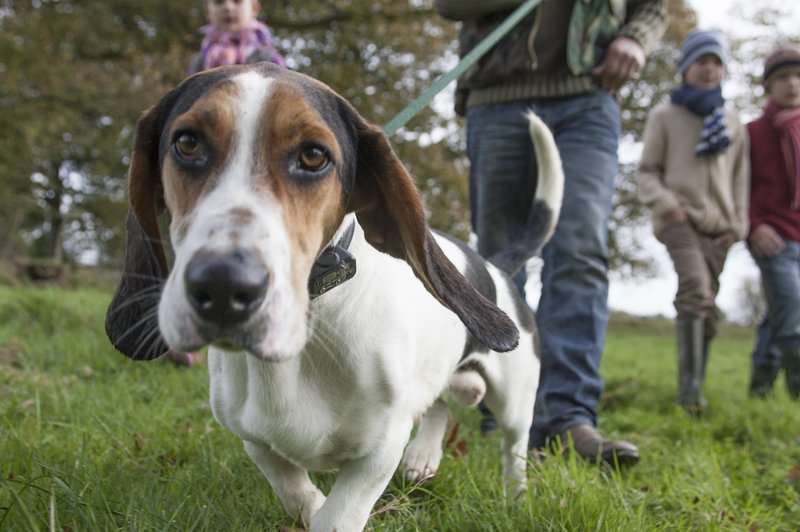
(566, 61)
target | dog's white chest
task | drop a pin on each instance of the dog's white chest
(309, 420)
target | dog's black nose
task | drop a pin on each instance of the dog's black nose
(226, 288)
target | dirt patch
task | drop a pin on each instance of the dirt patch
(11, 355)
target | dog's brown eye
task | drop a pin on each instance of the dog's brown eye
(312, 158)
(188, 146)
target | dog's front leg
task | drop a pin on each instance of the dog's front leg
(361, 482)
(423, 454)
(300, 498)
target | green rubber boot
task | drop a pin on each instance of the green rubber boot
(690, 336)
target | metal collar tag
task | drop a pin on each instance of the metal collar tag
(333, 267)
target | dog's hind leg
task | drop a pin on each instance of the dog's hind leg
(513, 409)
(511, 383)
(423, 453)
(300, 498)
(515, 463)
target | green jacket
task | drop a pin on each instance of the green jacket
(552, 51)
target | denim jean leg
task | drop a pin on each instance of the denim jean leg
(502, 175)
(573, 309)
(780, 278)
(765, 353)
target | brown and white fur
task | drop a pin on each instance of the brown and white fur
(259, 169)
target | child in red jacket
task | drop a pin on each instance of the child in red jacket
(774, 238)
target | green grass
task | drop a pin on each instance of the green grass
(92, 441)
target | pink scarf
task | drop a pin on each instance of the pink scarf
(231, 48)
(787, 122)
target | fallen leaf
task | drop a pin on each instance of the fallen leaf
(10, 356)
(460, 448)
(138, 441)
(453, 434)
(794, 474)
(456, 446)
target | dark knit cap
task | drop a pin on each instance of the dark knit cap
(784, 55)
(699, 43)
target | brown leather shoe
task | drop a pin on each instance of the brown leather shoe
(590, 444)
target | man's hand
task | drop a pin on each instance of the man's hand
(623, 62)
(765, 242)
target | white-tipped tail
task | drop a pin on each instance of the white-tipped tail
(550, 185)
(546, 205)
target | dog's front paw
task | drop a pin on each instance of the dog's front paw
(303, 506)
(421, 460)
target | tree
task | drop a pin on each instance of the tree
(638, 97)
(79, 73)
(74, 86)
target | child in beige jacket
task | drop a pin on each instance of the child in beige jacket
(694, 176)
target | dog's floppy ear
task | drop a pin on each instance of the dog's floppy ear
(132, 317)
(389, 208)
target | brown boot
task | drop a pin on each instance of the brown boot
(591, 445)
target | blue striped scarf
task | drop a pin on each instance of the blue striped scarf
(709, 105)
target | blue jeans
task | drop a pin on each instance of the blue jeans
(573, 309)
(780, 328)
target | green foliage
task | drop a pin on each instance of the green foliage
(77, 74)
(92, 441)
(637, 98)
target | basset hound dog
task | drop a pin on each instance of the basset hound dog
(269, 221)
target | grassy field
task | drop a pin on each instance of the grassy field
(92, 441)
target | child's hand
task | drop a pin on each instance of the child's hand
(725, 240)
(765, 242)
(675, 216)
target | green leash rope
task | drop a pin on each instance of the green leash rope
(466, 62)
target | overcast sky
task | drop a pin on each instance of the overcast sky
(718, 13)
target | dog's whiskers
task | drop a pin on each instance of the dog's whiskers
(143, 295)
(144, 276)
(150, 315)
(156, 345)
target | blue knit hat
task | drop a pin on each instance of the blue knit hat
(699, 43)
